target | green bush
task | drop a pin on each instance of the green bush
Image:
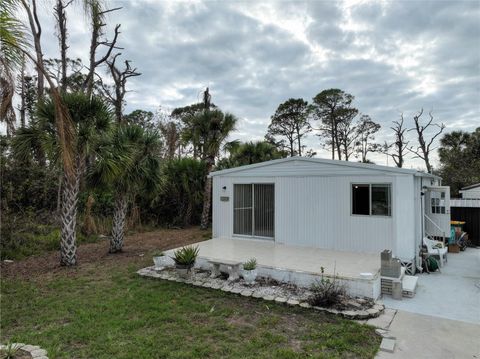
(251, 264)
(186, 256)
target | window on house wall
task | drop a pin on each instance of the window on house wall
(253, 210)
(371, 199)
(438, 202)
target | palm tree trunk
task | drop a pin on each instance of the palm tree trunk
(118, 226)
(187, 219)
(68, 234)
(207, 197)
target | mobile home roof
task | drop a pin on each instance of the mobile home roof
(320, 161)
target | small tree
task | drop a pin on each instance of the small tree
(401, 144)
(129, 162)
(116, 93)
(425, 145)
(96, 13)
(347, 137)
(91, 119)
(212, 127)
(291, 122)
(366, 130)
(249, 153)
(330, 107)
(459, 154)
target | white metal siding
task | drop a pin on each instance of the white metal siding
(316, 212)
(405, 218)
(419, 218)
(471, 193)
(464, 202)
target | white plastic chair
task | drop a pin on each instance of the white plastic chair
(436, 248)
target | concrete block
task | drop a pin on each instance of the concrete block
(387, 345)
(397, 290)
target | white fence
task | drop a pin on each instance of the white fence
(465, 202)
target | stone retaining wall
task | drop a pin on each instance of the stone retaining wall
(298, 297)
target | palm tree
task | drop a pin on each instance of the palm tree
(15, 46)
(12, 40)
(135, 153)
(91, 120)
(211, 128)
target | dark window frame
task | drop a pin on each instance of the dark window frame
(370, 201)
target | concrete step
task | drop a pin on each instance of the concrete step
(409, 285)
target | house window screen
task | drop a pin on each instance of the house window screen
(372, 199)
(254, 210)
(243, 209)
(381, 202)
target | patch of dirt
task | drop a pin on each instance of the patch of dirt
(136, 247)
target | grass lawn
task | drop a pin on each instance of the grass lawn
(104, 310)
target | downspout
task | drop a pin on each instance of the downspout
(422, 200)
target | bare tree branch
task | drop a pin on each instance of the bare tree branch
(36, 30)
(400, 145)
(97, 14)
(116, 93)
(424, 148)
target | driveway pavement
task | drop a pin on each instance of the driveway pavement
(421, 336)
(452, 294)
(443, 319)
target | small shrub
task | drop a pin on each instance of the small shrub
(9, 351)
(186, 256)
(326, 292)
(251, 264)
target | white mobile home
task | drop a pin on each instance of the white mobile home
(332, 205)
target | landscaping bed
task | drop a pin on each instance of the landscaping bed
(271, 290)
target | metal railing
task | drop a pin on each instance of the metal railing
(436, 226)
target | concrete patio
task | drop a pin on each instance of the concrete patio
(298, 265)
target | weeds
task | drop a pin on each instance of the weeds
(326, 292)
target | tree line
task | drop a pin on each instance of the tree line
(346, 132)
(74, 155)
(74, 134)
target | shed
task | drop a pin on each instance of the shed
(471, 192)
(329, 204)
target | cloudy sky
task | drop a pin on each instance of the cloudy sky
(393, 56)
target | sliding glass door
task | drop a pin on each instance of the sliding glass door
(254, 210)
